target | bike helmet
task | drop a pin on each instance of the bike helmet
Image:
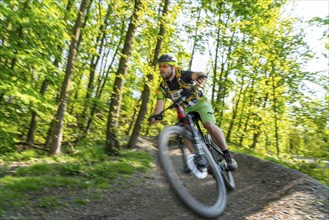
(168, 59)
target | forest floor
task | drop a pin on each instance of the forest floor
(264, 190)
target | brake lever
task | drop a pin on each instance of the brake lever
(202, 78)
(157, 117)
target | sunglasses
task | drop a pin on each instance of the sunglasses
(164, 65)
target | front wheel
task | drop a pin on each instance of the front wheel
(207, 195)
(218, 156)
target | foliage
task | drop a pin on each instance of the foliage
(255, 60)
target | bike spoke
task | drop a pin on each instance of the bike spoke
(203, 190)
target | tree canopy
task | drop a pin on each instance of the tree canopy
(72, 70)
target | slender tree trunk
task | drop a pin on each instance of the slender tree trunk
(100, 40)
(133, 116)
(257, 130)
(218, 43)
(102, 81)
(276, 128)
(214, 83)
(78, 83)
(195, 37)
(34, 119)
(255, 139)
(56, 135)
(224, 76)
(235, 111)
(251, 102)
(146, 90)
(45, 83)
(99, 91)
(112, 141)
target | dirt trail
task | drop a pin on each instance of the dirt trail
(264, 190)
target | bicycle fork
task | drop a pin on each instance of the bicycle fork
(193, 134)
(184, 154)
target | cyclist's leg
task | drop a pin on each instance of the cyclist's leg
(206, 113)
(216, 135)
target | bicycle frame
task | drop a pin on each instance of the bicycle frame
(187, 120)
(179, 169)
(191, 121)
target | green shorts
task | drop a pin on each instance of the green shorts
(205, 110)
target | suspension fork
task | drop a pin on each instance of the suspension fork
(197, 141)
(184, 153)
(187, 122)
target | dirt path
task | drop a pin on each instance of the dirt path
(264, 190)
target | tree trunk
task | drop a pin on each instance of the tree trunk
(34, 119)
(1, 96)
(146, 89)
(112, 141)
(102, 81)
(56, 135)
(99, 91)
(235, 111)
(218, 42)
(57, 61)
(276, 128)
(195, 37)
(214, 83)
(224, 77)
(257, 131)
(255, 139)
(133, 116)
(100, 40)
(246, 123)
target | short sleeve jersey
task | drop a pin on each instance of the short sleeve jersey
(173, 89)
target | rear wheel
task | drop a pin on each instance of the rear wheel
(204, 194)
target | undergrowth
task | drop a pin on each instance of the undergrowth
(84, 166)
(314, 168)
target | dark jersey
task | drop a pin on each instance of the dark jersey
(175, 88)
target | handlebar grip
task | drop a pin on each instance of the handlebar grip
(156, 117)
(203, 77)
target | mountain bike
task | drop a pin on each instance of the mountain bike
(194, 166)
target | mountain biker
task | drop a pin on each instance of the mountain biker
(175, 82)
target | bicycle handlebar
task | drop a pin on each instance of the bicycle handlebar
(176, 103)
(187, 93)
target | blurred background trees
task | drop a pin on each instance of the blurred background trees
(255, 59)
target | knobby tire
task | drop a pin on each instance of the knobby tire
(212, 202)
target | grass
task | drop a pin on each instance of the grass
(316, 170)
(50, 202)
(88, 166)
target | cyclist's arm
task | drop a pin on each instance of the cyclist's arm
(158, 108)
(161, 95)
(199, 77)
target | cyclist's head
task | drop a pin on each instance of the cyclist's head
(167, 59)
